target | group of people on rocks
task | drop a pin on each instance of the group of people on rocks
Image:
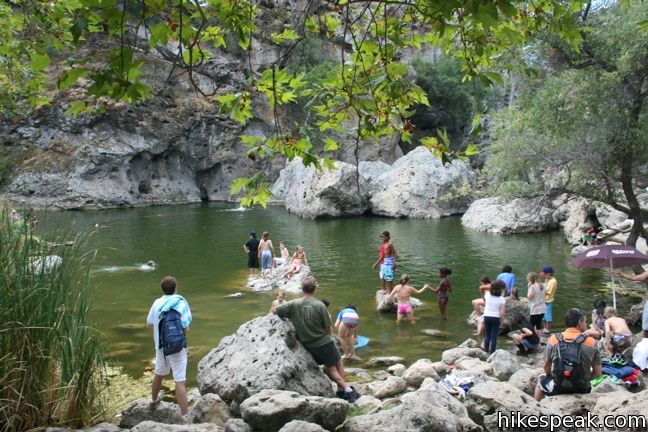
(262, 252)
(312, 322)
(490, 307)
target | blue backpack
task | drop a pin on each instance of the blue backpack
(172, 337)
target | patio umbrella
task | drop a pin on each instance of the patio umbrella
(609, 256)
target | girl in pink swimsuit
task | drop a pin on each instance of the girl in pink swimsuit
(402, 292)
(297, 259)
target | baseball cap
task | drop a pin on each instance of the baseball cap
(547, 269)
(252, 233)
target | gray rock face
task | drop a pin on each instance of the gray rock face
(101, 427)
(311, 193)
(263, 354)
(526, 379)
(498, 215)
(450, 356)
(142, 410)
(151, 426)
(270, 410)
(237, 425)
(209, 409)
(419, 185)
(397, 369)
(577, 223)
(570, 404)
(487, 400)
(390, 387)
(419, 371)
(430, 408)
(623, 404)
(504, 364)
(474, 365)
(301, 426)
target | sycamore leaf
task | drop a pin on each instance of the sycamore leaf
(286, 35)
(39, 61)
(330, 145)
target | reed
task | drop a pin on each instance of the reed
(51, 359)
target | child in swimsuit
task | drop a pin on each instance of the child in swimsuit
(347, 324)
(478, 303)
(443, 289)
(278, 301)
(285, 255)
(388, 267)
(298, 258)
(402, 292)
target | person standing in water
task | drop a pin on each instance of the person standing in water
(347, 324)
(266, 253)
(403, 293)
(385, 240)
(251, 248)
(442, 290)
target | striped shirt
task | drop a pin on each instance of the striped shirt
(164, 304)
(349, 317)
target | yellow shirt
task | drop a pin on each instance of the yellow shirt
(552, 286)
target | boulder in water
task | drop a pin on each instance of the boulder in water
(263, 354)
(277, 282)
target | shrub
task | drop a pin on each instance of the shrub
(51, 360)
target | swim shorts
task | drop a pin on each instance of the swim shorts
(327, 355)
(548, 316)
(266, 260)
(386, 272)
(253, 261)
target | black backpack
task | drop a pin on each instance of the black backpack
(172, 337)
(567, 369)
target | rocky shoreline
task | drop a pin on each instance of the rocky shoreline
(262, 379)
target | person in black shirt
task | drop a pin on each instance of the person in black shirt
(528, 339)
(251, 248)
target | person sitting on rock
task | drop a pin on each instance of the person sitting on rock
(285, 255)
(597, 328)
(347, 324)
(298, 258)
(313, 329)
(558, 377)
(508, 277)
(527, 340)
(618, 336)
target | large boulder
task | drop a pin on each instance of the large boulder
(571, 404)
(491, 401)
(143, 410)
(276, 280)
(301, 426)
(151, 426)
(390, 387)
(420, 185)
(263, 354)
(270, 410)
(526, 379)
(504, 364)
(622, 405)
(419, 371)
(578, 218)
(450, 356)
(314, 193)
(509, 216)
(431, 408)
(210, 408)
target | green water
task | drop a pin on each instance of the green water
(201, 245)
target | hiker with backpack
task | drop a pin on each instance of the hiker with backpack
(170, 317)
(571, 359)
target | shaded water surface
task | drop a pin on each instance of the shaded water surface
(201, 245)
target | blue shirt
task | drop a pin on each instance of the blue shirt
(509, 280)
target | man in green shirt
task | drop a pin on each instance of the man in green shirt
(313, 327)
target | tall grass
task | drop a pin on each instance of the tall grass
(51, 360)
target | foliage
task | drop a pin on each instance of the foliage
(583, 128)
(453, 101)
(51, 359)
(368, 88)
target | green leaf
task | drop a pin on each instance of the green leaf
(286, 35)
(76, 107)
(39, 62)
(330, 145)
(471, 150)
(69, 78)
(160, 33)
